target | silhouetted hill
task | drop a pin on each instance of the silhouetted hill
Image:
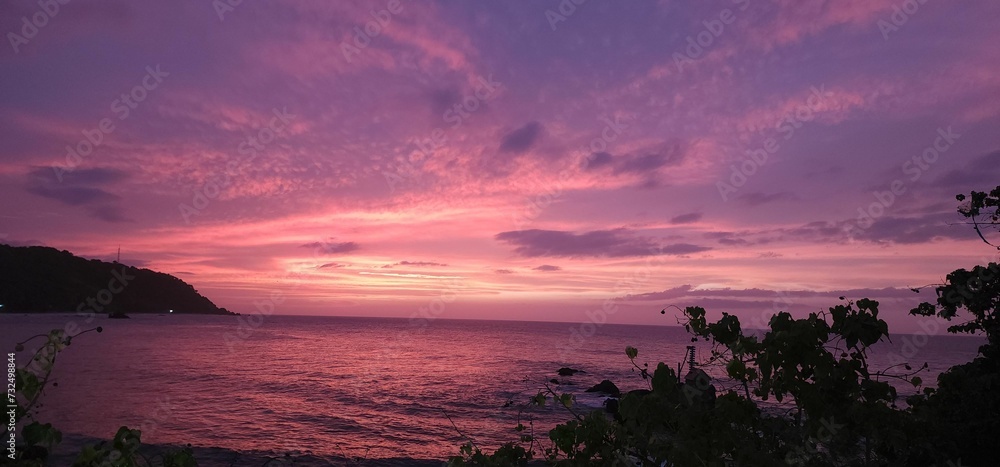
(36, 279)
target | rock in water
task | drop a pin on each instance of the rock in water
(611, 405)
(606, 387)
(569, 371)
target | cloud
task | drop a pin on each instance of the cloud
(109, 213)
(521, 139)
(331, 265)
(733, 241)
(332, 247)
(443, 99)
(413, 263)
(72, 195)
(80, 187)
(547, 267)
(922, 229)
(599, 243)
(688, 291)
(642, 164)
(651, 159)
(793, 22)
(982, 173)
(745, 237)
(504, 271)
(686, 218)
(91, 176)
(758, 198)
(410, 275)
(597, 160)
(682, 249)
(11, 242)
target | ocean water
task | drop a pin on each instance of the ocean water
(353, 387)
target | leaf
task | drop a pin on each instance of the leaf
(631, 352)
(28, 383)
(736, 369)
(566, 400)
(36, 434)
(916, 381)
(182, 458)
(127, 440)
(89, 455)
(57, 339)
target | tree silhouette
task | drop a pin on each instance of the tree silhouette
(983, 211)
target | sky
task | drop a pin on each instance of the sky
(554, 161)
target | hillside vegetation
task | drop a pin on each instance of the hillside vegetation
(42, 279)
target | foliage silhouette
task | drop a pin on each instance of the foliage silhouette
(831, 408)
(978, 211)
(38, 439)
(962, 415)
(45, 279)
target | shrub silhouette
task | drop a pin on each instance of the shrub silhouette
(834, 408)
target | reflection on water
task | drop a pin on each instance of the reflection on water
(345, 386)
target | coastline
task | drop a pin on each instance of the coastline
(208, 456)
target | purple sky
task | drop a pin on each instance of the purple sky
(513, 160)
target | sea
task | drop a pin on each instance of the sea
(357, 388)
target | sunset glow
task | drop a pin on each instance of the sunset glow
(507, 161)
